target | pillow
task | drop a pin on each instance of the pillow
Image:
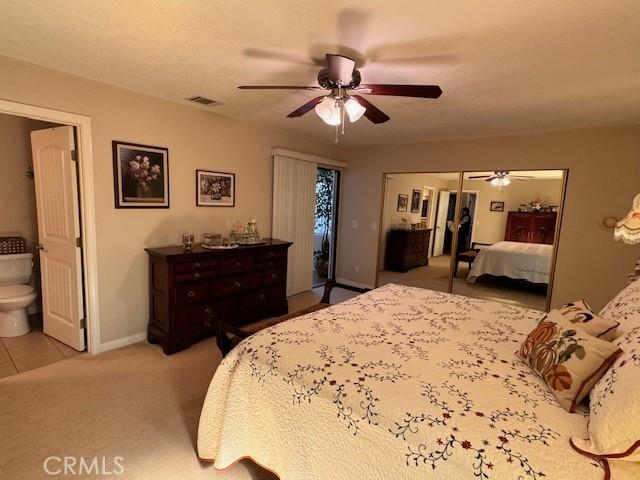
(614, 419)
(567, 358)
(593, 324)
(625, 308)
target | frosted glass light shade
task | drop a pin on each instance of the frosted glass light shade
(627, 230)
(500, 181)
(329, 111)
(354, 110)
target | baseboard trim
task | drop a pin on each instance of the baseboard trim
(351, 283)
(123, 342)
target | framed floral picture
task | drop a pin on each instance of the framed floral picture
(416, 196)
(140, 175)
(215, 189)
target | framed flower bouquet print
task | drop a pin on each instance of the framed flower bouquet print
(140, 175)
(215, 189)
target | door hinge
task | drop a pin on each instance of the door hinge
(83, 323)
(74, 155)
(78, 242)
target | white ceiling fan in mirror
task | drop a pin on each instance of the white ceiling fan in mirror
(501, 178)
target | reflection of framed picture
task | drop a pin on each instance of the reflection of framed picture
(140, 175)
(425, 208)
(497, 206)
(403, 200)
(416, 195)
(215, 189)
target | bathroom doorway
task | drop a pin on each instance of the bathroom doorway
(34, 247)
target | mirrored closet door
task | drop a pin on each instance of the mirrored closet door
(507, 232)
(486, 234)
(416, 229)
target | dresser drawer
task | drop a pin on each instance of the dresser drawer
(196, 266)
(273, 277)
(191, 294)
(194, 276)
(264, 298)
(271, 259)
(204, 314)
(241, 263)
(232, 285)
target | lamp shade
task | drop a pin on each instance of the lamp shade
(627, 230)
(329, 111)
(354, 110)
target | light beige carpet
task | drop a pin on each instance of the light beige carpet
(134, 402)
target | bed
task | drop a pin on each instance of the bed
(397, 383)
(515, 260)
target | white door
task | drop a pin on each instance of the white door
(441, 223)
(58, 234)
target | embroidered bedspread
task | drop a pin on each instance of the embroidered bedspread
(397, 383)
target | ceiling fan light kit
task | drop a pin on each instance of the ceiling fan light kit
(341, 77)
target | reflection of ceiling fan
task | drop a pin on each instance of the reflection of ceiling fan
(501, 178)
(342, 79)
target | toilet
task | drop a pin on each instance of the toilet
(15, 294)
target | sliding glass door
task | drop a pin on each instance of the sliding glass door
(325, 237)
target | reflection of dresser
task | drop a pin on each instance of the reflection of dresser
(189, 289)
(531, 227)
(407, 249)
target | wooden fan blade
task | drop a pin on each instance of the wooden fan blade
(521, 176)
(420, 91)
(307, 107)
(277, 87)
(480, 176)
(340, 68)
(372, 112)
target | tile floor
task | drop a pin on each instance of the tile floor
(33, 350)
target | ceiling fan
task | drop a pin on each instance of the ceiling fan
(501, 178)
(342, 80)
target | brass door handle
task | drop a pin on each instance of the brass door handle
(40, 246)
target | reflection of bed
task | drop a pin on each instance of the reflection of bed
(397, 383)
(515, 260)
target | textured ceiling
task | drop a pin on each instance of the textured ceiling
(504, 66)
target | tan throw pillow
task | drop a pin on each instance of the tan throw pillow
(614, 418)
(592, 323)
(567, 358)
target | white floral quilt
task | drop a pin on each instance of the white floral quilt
(397, 383)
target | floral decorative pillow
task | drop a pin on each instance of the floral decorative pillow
(590, 322)
(614, 419)
(567, 358)
(625, 308)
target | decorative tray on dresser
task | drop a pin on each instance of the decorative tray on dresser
(187, 289)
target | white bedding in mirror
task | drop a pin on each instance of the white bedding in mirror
(516, 260)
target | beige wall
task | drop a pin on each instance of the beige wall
(195, 138)
(488, 226)
(604, 176)
(17, 193)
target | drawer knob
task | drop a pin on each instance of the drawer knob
(274, 275)
(271, 263)
(196, 276)
(271, 254)
(262, 297)
(238, 284)
(197, 265)
(238, 264)
(208, 312)
(191, 294)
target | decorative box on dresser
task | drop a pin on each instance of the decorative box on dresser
(188, 289)
(407, 249)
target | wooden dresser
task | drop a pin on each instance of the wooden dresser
(407, 249)
(531, 227)
(187, 288)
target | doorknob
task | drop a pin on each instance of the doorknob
(40, 246)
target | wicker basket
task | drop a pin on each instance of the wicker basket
(10, 245)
